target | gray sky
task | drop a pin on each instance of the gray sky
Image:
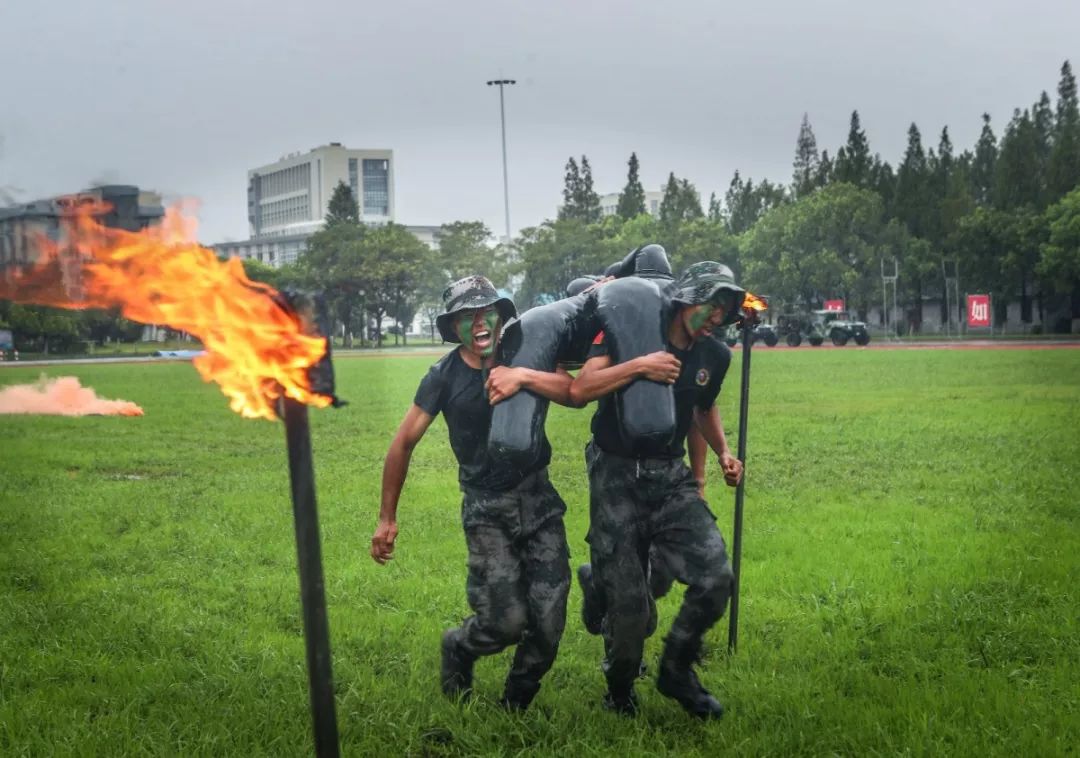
(186, 97)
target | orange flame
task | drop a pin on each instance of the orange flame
(256, 349)
(752, 302)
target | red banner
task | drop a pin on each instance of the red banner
(834, 305)
(978, 310)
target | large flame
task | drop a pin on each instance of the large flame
(256, 349)
(752, 302)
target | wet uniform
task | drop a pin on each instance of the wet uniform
(644, 496)
(519, 570)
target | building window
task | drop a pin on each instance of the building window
(376, 187)
(354, 179)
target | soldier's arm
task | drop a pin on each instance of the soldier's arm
(395, 469)
(712, 429)
(598, 377)
(696, 447)
(505, 381)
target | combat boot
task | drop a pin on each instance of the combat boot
(622, 701)
(457, 668)
(592, 602)
(518, 695)
(678, 681)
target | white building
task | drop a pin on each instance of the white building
(289, 198)
(609, 204)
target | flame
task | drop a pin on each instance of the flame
(256, 349)
(752, 302)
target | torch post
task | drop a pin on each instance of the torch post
(312, 587)
(749, 321)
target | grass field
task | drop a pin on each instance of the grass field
(911, 564)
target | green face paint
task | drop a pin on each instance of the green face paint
(464, 326)
(700, 316)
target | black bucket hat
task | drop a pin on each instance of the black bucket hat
(471, 293)
(703, 282)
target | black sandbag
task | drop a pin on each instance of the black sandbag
(540, 339)
(631, 312)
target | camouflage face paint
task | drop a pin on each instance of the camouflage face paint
(700, 316)
(490, 320)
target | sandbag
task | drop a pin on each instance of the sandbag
(539, 339)
(631, 312)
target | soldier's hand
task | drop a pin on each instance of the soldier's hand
(503, 382)
(382, 542)
(660, 366)
(732, 468)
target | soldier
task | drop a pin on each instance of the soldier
(643, 496)
(519, 572)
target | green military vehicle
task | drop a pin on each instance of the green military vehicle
(796, 327)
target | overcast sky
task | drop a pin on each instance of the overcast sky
(185, 97)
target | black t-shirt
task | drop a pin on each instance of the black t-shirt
(703, 368)
(456, 390)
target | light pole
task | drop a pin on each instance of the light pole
(502, 115)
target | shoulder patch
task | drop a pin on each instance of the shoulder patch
(702, 377)
(599, 339)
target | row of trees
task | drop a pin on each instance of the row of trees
(1006, 210)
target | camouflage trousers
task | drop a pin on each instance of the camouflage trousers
(519, 577)
(642, 507)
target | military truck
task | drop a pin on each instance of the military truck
(795, 327)
(840, 327)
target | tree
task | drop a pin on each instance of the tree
(571, 191)
(395, 260)
(556, 252)
(1016, 175)
(911, 203)
(1059, 263)
(806, 164)
(1064, 164)
(632, 198)
(746, 203)
(853, 161)
(671, 204)
(466, 248)
(336, 264)
(984, 165)
(342, 207)
(588, 201)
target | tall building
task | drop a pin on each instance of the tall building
(22, 224)
(609, 204)
(289, 198)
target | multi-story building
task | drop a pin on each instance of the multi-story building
(609, 204)
(21, 225)
(289, 198)
(279, 251)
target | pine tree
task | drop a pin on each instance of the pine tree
(806, 162)
(1042, 117)
(689, 201)
(912, 205)
(853, 161)
(588, 201)
(670, 205)
(342, 207)
(571, 190)
(1064, 168)
(1016, 175)
(632, 198)
(984, 165)
(825, 170)
(716, 211)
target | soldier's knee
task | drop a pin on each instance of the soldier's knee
(510, 625)
(718, 583)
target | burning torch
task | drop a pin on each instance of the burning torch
(751, 309)
(268, 351)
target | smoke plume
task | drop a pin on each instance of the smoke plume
(63, 396)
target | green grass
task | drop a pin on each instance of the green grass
(911, 559)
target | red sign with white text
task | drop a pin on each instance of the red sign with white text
(978, 310)
(834, 305)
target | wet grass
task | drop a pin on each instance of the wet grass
(911, 559)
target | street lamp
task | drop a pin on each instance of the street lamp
(502, 115)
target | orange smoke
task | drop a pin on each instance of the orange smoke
(62, 397)
(752, 302)
(256, 349)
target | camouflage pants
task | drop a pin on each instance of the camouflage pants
(642, 506)
(519, 577)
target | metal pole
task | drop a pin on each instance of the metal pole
(312, 587)
(502, 120)
(736, 544)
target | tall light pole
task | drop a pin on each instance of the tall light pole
(502, 115)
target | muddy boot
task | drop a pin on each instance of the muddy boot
(678, 681)
(457, 668)
(592, 602)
